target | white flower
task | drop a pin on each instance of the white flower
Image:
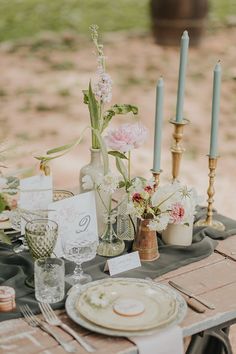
(189, 199)
(165, 196)
(108, 183)
(87, 182)
(159, 223)
(99, 298)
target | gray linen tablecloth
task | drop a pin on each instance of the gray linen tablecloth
(15, 268)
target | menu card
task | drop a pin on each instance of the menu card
(76, 217)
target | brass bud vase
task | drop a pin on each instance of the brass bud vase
(145, 242)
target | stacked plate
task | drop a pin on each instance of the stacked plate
(125, 306)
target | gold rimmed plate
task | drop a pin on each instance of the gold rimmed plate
(156, 306)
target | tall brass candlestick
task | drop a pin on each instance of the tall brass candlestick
(156, 176)
(177, 148)
(211, 192)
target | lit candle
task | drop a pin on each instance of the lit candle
(158, 125)
(182, 74)
(215, 111)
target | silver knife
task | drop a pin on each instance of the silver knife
(191, 295)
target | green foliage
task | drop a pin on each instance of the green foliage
(117, 154)
(117, 109)
(4, 238)
(3, 203)
(122, 169)
(94, 111)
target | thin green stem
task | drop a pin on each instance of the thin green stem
(129, 165)
(99, 194)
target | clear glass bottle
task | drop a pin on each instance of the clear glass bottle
(93, 169)
(109, 244)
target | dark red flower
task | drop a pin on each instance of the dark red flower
(148, 189)
(137, 197)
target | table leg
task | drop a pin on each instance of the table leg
(211, 341)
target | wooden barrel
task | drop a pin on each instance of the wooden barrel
(171, 17)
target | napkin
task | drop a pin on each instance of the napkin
(168, 341)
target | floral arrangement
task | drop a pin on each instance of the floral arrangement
(96, 97)
(171, 203)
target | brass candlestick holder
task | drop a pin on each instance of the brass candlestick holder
(211, 192)
(156, 176)
(177, 148)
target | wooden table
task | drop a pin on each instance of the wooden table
(214, 278)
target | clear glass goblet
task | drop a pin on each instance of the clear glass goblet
(79, 251)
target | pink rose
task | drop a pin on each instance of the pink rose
(177, 213)
(126, 137)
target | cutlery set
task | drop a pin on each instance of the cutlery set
(51, 320)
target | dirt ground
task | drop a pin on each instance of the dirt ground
(41, 103)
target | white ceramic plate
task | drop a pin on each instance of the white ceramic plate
(158, 297)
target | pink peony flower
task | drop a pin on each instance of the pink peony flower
(177, 213)
(126, 137)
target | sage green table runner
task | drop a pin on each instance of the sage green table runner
(15, 268)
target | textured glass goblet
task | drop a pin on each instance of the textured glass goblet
(79, 251)
(41, 236)
(59, 194)
(16, 217)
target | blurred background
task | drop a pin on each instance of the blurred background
(47, 58)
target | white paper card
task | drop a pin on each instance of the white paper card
(76, 217)
(123, 263)
(35, 193)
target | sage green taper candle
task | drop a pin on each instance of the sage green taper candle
(215, 111)
(158, 125)
(182, 73)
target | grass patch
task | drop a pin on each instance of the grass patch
(26, 18)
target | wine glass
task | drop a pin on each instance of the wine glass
(41, 236)
(79, 251)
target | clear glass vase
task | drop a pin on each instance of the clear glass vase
(126, 224)
(109, 244)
